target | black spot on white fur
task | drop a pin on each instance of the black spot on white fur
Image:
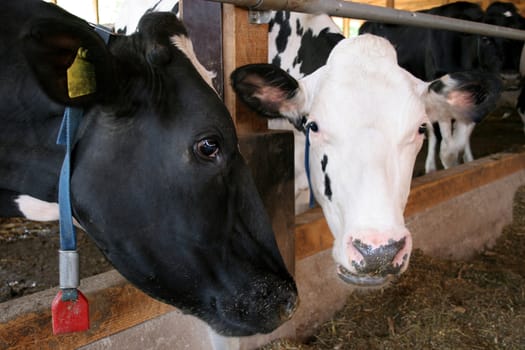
(324, 162)
(327, 187)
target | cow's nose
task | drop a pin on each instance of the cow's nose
(289, 306)
(378, 253)
(380, 260)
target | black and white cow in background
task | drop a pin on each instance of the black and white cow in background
(430, 53)
(157, 178)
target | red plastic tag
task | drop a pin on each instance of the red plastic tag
(70, 315)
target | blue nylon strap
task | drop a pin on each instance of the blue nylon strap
(307, 162)
(104, 32)
(66, 136)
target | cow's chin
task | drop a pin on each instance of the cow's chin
(364, 281)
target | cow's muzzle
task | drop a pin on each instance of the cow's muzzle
(374, 265)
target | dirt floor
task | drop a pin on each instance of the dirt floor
(29, 257)
(28, 250)
(439, 304)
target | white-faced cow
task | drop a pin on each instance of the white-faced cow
(366, 118)
(157, 178)
(430, 53)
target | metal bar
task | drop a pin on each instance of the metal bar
(349, 9)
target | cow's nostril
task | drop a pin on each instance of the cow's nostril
(289, 307)
(378, 261)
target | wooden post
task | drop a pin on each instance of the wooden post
(243, 43)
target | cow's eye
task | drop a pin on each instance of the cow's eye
(312, 126)
(207, 148)
(422, 129)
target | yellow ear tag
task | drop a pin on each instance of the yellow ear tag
(81, 79)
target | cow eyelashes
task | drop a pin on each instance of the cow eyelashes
(207, 149)
(422, 129)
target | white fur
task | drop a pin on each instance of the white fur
(371, 144)
(39, 210)
(36, 209)
(368, 111)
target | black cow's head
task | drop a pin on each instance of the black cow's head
(506, 50)
(158, 181)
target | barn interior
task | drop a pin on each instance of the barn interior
(459, 216)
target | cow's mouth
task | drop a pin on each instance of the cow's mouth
(363, 280)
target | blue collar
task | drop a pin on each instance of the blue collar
(68, 257)
(307, 128)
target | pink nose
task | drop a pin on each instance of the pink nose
(379, 253)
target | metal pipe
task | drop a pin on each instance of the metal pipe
(350, 9)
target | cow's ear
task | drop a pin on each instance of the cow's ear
(69, 59)
(467, 96)
(270, 91)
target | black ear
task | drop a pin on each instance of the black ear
(267, 89)
(71, 62)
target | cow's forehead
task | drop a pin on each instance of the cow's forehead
(362, 48)
(363, 81)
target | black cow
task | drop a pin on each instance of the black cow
(157, 178)
(512, 69)
(430, 53)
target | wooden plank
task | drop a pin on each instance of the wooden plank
(114, 305)
(243, 43)
(437, 187)
(313, 235)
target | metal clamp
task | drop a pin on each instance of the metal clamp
(68, 269)
(259, 17)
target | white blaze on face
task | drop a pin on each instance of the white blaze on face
(368, 111)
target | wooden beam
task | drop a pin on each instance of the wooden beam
(97, 12)
(313, 235)
(243, 43)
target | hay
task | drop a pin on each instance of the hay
(439, 304)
